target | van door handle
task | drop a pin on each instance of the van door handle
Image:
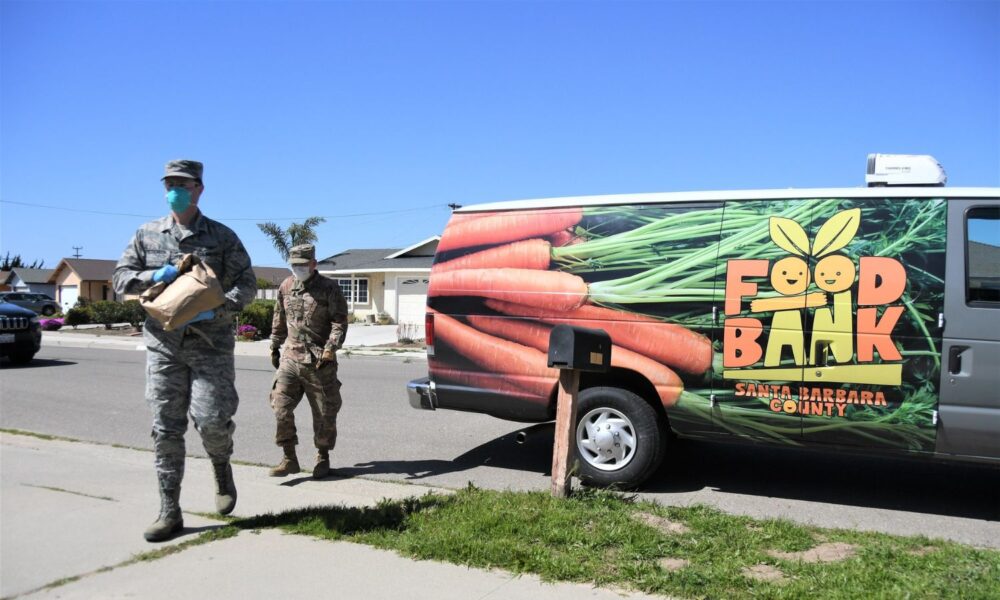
(955, 359)
(822, 353)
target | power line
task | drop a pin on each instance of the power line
(79, 210)
(115, 214)
(369, 214)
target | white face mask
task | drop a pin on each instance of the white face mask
(301, 273)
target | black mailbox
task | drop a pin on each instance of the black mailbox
(579, 348)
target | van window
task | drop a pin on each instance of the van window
(982, 256)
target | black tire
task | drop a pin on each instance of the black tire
(21, 358)
(48, 311)
(601, 413)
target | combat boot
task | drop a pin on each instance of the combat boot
(322, 468)
(225, 488)
(170, 521)
(288, 465)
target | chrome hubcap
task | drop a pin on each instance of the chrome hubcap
(606, 439)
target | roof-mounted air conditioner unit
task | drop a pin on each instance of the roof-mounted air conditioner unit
(904, 170)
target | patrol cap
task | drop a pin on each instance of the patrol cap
(191, 169)
(301, 254)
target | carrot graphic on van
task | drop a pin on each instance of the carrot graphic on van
(692, 292)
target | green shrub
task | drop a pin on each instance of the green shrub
(258, 313)
(107, 312)
(78, 316)
(133, 313)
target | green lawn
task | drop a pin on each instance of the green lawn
(612, 540)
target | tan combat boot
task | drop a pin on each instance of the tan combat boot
(171, 521)
(322, 468)
(225, 488)
(288, 465)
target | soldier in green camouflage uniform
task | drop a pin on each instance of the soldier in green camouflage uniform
(189, 370)
(310, 322)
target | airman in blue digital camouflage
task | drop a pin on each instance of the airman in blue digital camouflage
(189, 370)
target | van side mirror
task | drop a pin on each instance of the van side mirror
(579, 348)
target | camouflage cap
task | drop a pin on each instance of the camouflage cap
(301, 254)
(191, 169)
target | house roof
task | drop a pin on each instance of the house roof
(418, 257)
(353, 261)
(422, 248)
(31, 275)
(273, 274)
(87, 269)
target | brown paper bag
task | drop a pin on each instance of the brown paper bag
(195, 290)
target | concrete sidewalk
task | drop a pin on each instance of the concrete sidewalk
(365, 340)
(74, 512)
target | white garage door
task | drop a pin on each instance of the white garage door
(411, 301)
(68, 295)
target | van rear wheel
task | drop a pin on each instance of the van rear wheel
(620, 439)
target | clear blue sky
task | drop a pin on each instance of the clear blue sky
(378, 114)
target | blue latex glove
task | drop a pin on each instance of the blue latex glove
(165, 273)
(202, 316)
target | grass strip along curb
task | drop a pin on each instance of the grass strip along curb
(612, 540)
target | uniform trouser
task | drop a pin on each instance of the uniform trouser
(190, 376)
(321, 387)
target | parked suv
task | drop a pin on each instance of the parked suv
(40, 303)
(20, 333)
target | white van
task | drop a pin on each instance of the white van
(855, 318)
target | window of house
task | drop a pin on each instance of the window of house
(355, 290)
(982, 255)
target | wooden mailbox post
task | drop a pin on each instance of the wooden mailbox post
(572, 350)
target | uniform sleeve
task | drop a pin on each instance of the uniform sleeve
(131, 275)
(338, 318)
(279, 326)
(240, 283)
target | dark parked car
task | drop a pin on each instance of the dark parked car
(20, 333)
(40, 303)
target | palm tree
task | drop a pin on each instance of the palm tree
(297, 233)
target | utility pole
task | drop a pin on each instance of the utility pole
(77, 248)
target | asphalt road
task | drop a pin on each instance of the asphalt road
(97, 395)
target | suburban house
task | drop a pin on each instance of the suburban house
(33, 281)
(4, 286)
(384, 284)
(89, 278)
(273, 276)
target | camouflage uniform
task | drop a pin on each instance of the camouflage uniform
(191, 369)
(310, 321)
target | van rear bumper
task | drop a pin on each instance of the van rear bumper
(421, 393)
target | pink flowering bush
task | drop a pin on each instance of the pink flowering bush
(247, 332)
(51, 324)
